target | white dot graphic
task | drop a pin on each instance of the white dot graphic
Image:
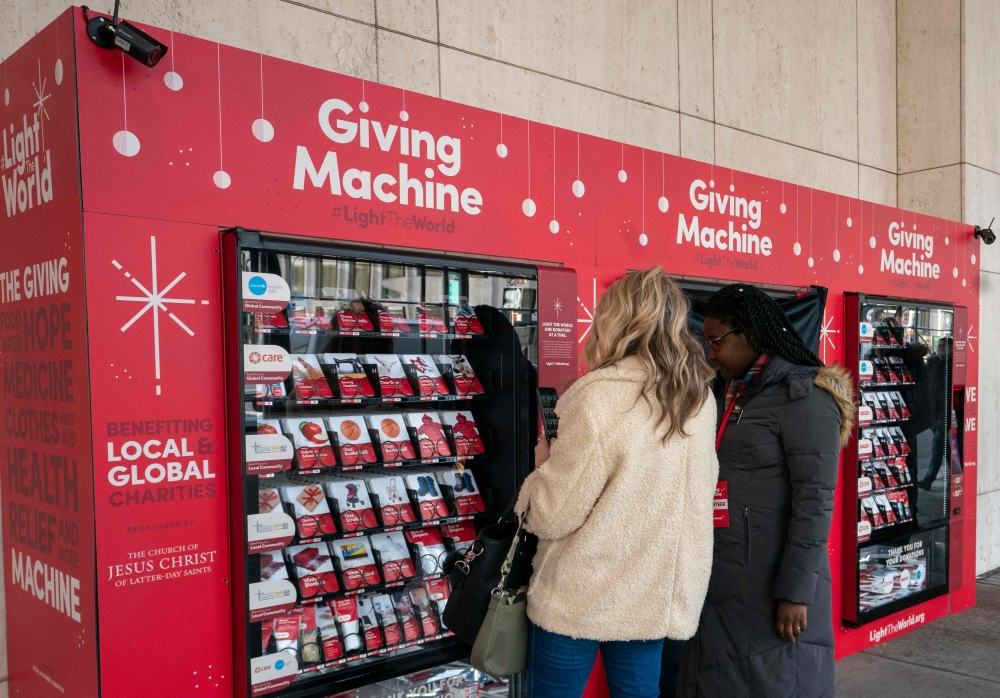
(954, 273)
(711, 182)
(6, 96)
(404, 116)
(528, 206)
(947, 241)
(963, 282)
(622, 175)
(871, 242)
(732, 188)
(222, 179)
(782, 208)
(262, 129)
(797, 249)
(59, 71)
(363, 106)
(861, 268)
(173, 81)
(849, 222)
(973, 260)
(811, 261)
(126, 143)
(663, 204)
(643, 239)
(578, 188)
(836, 255)
(502, 150)
(554, 226)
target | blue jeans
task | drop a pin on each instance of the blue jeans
(559, 666)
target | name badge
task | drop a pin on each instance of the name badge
(735, 415)
(720, 505)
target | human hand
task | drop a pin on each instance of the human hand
(791, 620)
(542, 450)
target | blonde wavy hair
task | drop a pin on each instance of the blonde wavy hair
(645, 315)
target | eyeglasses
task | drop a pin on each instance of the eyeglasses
(438, 447)
(398, 569)
(465, 325)
(357, 520)
(393, 514)
(351, 454)
(393, 386)
(308, 525)
(308, 456)
(713, 344)
(397, 450)
(306, 388)
(366, 575)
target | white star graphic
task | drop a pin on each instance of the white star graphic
(39, 104)
(969, 337)
(825, 336)
(557, 306)
(589, 320)
(157, 301)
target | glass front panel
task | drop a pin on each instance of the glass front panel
(902, 567)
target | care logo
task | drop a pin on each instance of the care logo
(255, 357)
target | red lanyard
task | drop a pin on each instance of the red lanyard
(725, 418)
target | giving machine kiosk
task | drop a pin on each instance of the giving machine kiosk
(269, 337)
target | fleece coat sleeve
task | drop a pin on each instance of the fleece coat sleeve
(810, 434)
(563, 490)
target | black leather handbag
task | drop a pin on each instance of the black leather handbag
(475, 576)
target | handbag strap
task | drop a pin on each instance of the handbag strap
(509, 561)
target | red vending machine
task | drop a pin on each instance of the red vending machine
(381, 413)
(899, 500)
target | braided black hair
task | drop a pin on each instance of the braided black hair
(760, 318)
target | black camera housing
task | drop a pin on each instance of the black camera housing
(986, 234)
(110, 33)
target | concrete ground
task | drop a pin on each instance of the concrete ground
(955, 656)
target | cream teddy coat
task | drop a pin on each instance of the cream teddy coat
(624, 521)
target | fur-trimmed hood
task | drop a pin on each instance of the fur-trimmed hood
(837, 380)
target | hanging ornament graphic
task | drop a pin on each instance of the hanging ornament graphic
(811, 261)
(262, 129)
(849, 221)
(6, 91)
(155, 299)
(221, 178)
(124, 141)
(836, 231)
(861, 238)
(954, 271)
(363, 105)
(404, 115)
(643, 240)
(782, 207)
(622, 175)
(501, 148)
(554, 224)
(59, 63)
(662, 202)
(797, 248)
(528, 206)
(578, 188)
(171, 79)
(589, 320)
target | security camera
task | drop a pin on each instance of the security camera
(109, 33)
(987, 234)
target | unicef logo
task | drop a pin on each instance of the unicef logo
(280, 664)
(864, 329)
(257, 286)
(864, 366)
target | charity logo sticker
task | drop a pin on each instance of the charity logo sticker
(265, 363)
(264, 293)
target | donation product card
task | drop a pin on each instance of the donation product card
(392, 380)
(355, 443)
(353, 502)
(394, 504)
(464, 433)
(312, 443)
(431, 439)
(464, 377)
(394, 439)
(312, 513)
(356, 561)
(429, 379)
(352, 381)
(313, 568)
(308, 380)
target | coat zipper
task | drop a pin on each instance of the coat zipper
(746, 536)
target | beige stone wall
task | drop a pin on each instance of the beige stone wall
(859, 97)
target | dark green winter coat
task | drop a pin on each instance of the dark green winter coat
(781, 465)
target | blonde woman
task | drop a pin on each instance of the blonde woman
(622, 503)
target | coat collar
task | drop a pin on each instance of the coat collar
(779, 369)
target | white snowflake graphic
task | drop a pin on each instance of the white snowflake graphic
(825, 336)
(157, 301)
(589, 320)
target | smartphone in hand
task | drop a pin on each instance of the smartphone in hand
(547, 398)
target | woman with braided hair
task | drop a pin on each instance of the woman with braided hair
(766, 628)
